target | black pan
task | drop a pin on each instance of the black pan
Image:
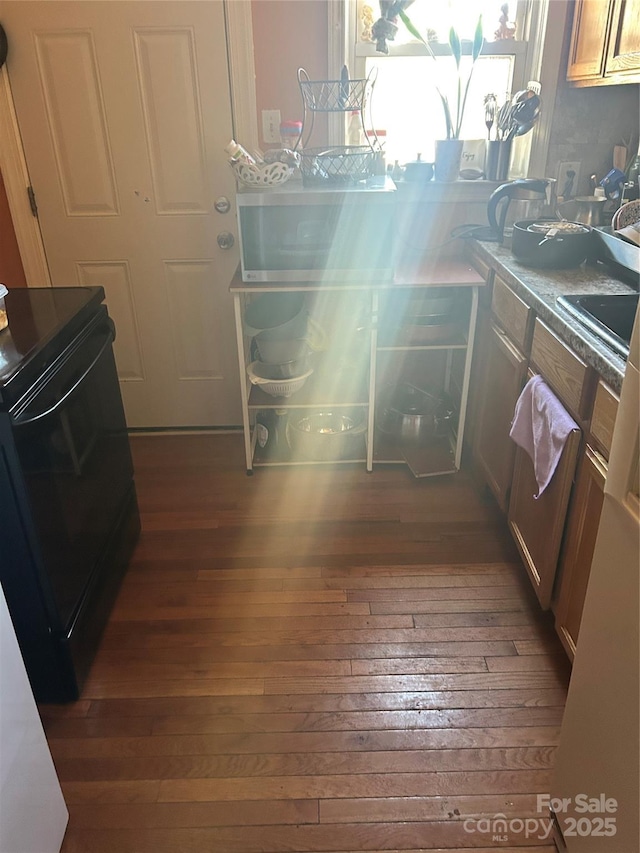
(536, 245)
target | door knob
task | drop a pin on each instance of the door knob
(225, 240)
(222, 204)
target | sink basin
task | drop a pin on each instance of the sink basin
(610, 316)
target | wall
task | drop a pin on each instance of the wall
(589, 122)
(11, 271)
(288, 35)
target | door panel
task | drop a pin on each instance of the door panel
(173, 123)
(124, 112)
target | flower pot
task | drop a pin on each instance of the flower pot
(448, 156)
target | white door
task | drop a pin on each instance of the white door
(124, 111)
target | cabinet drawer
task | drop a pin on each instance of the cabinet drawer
(561, 367)
(479, 265)
(512, 313)
(605, 409)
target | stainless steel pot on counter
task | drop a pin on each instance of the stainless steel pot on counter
(551, 244)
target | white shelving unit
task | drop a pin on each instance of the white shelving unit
(436, 456)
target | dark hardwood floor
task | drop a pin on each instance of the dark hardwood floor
(311, 659)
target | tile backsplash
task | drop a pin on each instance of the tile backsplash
(588, 123)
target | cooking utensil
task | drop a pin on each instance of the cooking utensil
(588, 209)
(552, 244)
(504, 119)
(525, 128)
(490, 111)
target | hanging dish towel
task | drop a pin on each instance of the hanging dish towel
(541, 426)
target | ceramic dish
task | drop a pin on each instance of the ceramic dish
(626, 215)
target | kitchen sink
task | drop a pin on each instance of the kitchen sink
(610, 316)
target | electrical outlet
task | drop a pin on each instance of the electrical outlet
(568, 179)
(271, 125)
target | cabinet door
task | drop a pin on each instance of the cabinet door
(623, 52)
(504, 370)
(580, 540)
(588, 39)
(537, 525)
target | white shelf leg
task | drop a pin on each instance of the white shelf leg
(467, 374)
(246, 426)
(373, 340)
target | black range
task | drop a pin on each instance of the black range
(67, 497)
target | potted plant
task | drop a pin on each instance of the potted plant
(448, 150)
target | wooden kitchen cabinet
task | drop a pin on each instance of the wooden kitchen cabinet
(584, 518)
(537, 524)
(605, 43)
(502, 373)
(579, 545)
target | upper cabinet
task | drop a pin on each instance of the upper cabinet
(605, 43)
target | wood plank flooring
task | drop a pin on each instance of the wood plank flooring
(312, 659)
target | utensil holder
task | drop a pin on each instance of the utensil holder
(491, 168)
(504, 159)
(498, 159)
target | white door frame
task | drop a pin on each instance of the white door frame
(13, 166)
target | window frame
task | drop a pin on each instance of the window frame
(542, 24)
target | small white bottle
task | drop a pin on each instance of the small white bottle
(238, 154)
(354, 129)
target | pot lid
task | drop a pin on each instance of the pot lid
(561, 227)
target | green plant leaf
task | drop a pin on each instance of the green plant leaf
(478, 40)
(456, 47)
(406, 20)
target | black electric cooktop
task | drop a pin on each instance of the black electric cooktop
(42, 322)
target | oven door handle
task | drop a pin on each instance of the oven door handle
(19, 422)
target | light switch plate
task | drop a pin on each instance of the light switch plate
(271, 125)
(567, 181)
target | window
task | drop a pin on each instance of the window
(406, 104)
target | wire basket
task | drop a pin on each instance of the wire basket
(333, 95)
(342, 164)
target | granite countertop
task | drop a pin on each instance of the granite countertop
(540, 289)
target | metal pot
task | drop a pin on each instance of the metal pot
(588, 209)
(413, 415)
(326, 436)
(551, 244)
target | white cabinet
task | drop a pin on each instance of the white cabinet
(364, 356)
(33, 815)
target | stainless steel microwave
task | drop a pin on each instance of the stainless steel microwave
(296, 233)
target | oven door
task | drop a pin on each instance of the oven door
(71, 439)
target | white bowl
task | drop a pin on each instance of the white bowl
(265, 376)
